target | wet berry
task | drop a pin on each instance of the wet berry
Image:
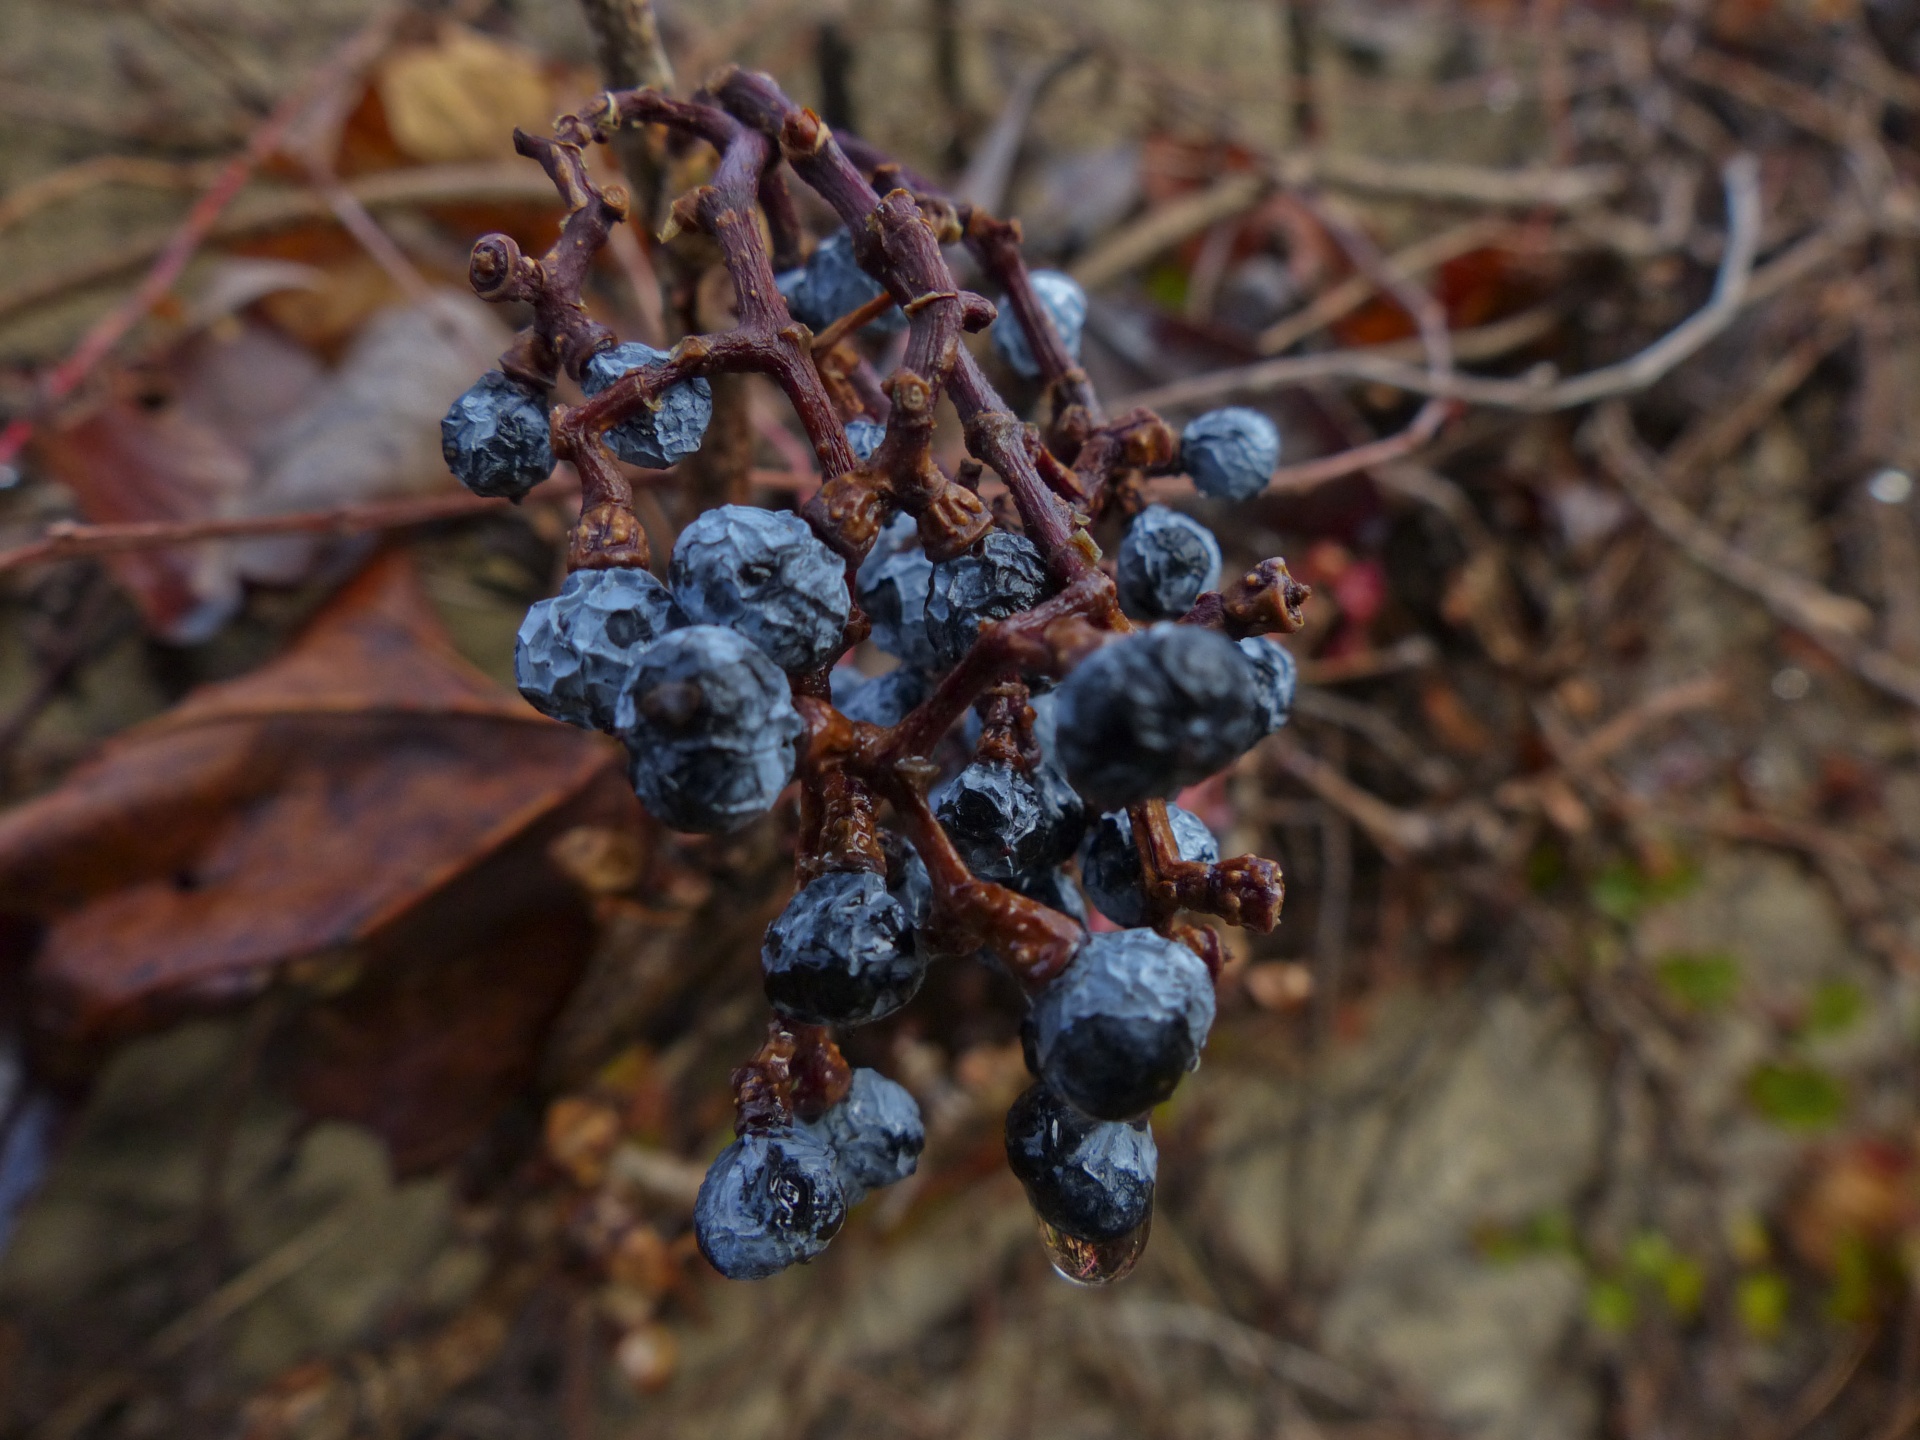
(842, 952)
(770, 1201)
(875, 1134)
(1092, 1179)
(1115, 1031)
(1110, 861)
(1166, 561)
(1001, 575)
(710, 727)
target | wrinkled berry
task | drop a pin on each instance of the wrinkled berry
(885, 699)
(1065, 304)
(1166, 560)
(990, 811)
(875, 1134)
(1092, 1179)
(1054, 889)
(769, 1201)
(1063, 819)
(574, 651)
(1275, 677)
(864, 436)
(892, 586)
(842, 952)
(1230, 453)
(496, 438)
(1110, 861)
(710, 725)
(1001, 575)
(766, 575)
(832, 284)
(667, 431)
(1116, 1029)
(907, 878)
(1154, 712)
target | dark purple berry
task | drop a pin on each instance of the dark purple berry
(765, 574)
(832, 284)
(1065, 304)
(1153, 712)
(496, 438)
(1230, 453)
(875, 1134)
(1275, 678)
(709, 723)
(892, 586)
(1092, 1179)
(769, 1201)
(663, 433)
(1166, 560)
(1001, 575)
(842, 952)
(1110, 861)
(1116, 1029)
(574, 650)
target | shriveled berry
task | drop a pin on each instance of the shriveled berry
(1116, 1029)
(832, 284)
(990, 811)
(661, 434)
(574, 650)
(892, 586)
(766, 575)
(496, 438)
(1154, 712)
(876, 1135)
(1092, 1179)
(1110, 861)
(1275, 677)
(1001, 575)
(1166, 560)
(864, 436)
(1065, 304)
(1055, 889)
(842, 952)
(907, 878)
(1063, 819)
(769, 1201)
(886, 699)
(1230, 453)
(710, 725)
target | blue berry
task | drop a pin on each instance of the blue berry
(1230, 453)
(1054, 888)
(907, 878)
(1275, 677)
(1092, 1179)
(574, 650)
(769, 1201)
(668, 431)
(710, 725)
(1116, 1029)
(842, 952)
(875, 1134)
(1001, 575)
(1065, 304)
(990, 812)
(496, 438)
(832, 284)
(864, 436)
(1063, 819)
(1154, 712)
(886, 699)
(1166, 560)
(1110, 861)
(892, 585)
(766, 575)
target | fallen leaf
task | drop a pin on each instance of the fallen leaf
(461, 97)
(365, 820)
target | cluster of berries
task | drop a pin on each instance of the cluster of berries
(707, 678)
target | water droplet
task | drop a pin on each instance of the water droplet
(1094, 1262)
